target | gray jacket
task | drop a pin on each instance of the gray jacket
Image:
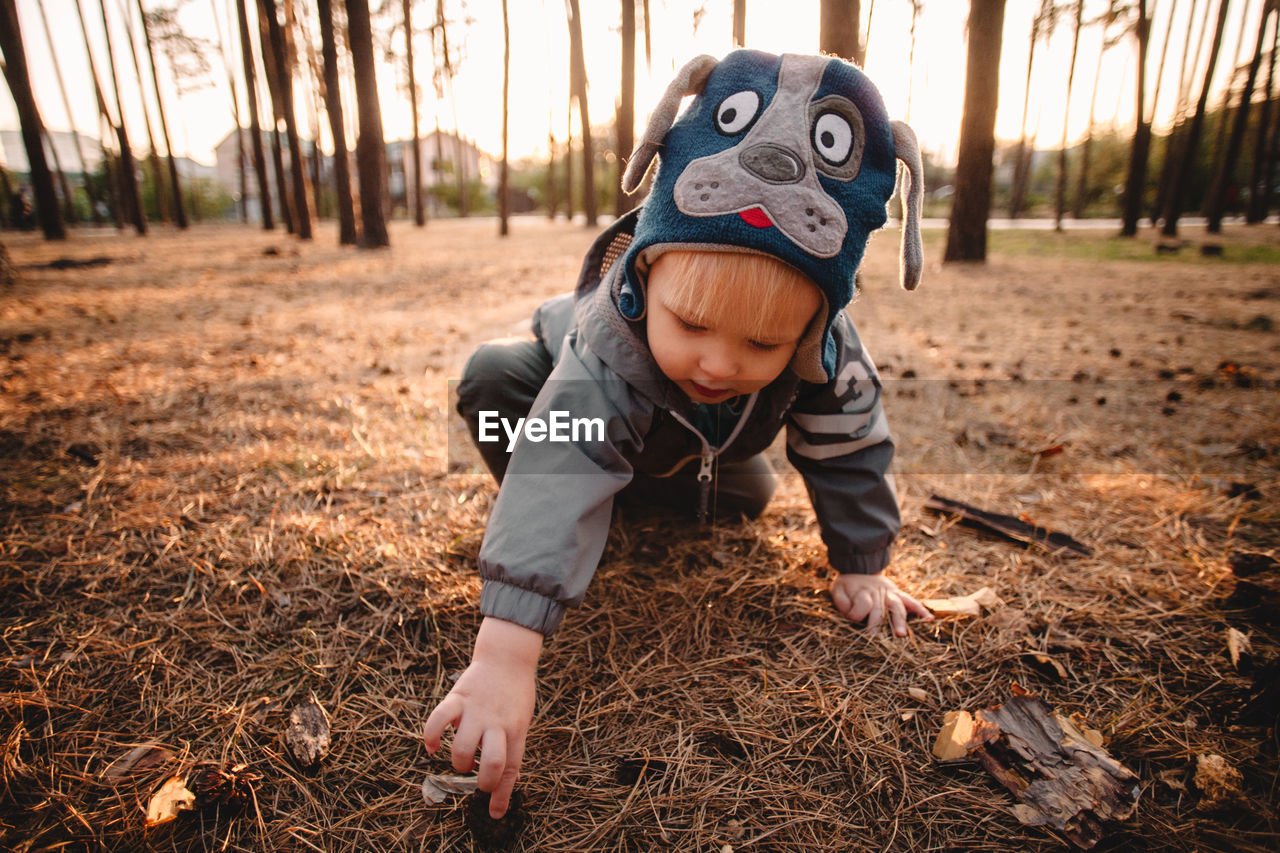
(548, 527)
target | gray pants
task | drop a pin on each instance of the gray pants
(506, 376)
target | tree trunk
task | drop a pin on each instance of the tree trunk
(1260, 179)
(113, 179)
(68, 203)
(333, 106)
(838, 25)
(284, 87)
(1060, 197)
(1187, 156)
(153, 156)
(255, 126)
(1022, 157)
(1086, 148)
(18, 77)
(241, 159)
(911, 55)
(971, 204)
(1177, 134)
(179, 209)
(371, 155)
(568, 150)
(739, 23)
(66, 104)
(553, 188)
(626, 104)
(588, 151)
(504, 184)
(1137, 180)
(271, 71)
(128, 169)
(419, 210)
(1215, 204)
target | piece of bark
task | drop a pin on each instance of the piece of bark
(1011, 528)
(1060, 777)
(308, 733)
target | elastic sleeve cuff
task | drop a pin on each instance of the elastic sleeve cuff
(521, 606)
(861, 563)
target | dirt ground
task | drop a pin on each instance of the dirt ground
(227, 484)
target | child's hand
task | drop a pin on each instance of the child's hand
(490, 707)
(869, 597)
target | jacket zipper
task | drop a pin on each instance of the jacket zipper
(709, 455)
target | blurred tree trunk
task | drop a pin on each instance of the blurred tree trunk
(916, 7)
(1177, 134)
(1260, 181)
(66, 105)
(419, 209)
(739, 23)
(971, 204)
(1187, 154)
(114, 180)
(838, 25)
(153, 156)
(1086, 147)
(460, 153)
(588, 151)
(271, 70)
(255, 126)
(8, 275)
(1137, 179)
(504, 182)
(128, 169)
(553, 188)
(1224, 175)
(1060, 196)
(333, 107)
(282, 61)
(179, 209)
(371, 154)
(1022, 157)
(242, 162)
(68, 203)
(568, 150)
(18, 77)
(626, 104)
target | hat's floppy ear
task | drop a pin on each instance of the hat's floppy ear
(689, 81)
(908, 151)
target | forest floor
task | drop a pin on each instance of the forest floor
(229, 482)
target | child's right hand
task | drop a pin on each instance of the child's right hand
(490, 708)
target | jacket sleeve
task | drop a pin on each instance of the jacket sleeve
(548, 527)
(839, 441)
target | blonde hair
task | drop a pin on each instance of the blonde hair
(747, 290)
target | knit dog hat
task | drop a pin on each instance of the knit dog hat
(788, 156)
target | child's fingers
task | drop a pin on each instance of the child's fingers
(493, 761)
(875, 611)
(446, 714)
(897, 615)
(466, 740)
(916, 607)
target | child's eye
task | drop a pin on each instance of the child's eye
(690, 327)
(763, 347)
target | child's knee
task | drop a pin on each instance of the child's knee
(492, 371)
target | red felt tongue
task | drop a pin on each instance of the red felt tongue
(756, 217)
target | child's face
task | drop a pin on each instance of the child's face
(712, 359)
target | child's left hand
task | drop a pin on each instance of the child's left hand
(869, 597)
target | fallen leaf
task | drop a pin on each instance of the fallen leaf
(437, 789)
(917, 694)
(308, 733)
(1172, 778)
(145, 757)
(957, 729)
(169, 801)
(965, 605)
(1239, 647)
(1049, 664)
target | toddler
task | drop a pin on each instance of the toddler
(702, 324)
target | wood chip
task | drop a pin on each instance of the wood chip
(307, 735)
(170, 800)
(148, 756)
(965, 605)
(1239, 647)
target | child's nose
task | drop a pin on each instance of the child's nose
(718, 362)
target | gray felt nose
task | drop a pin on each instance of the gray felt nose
(772, 163)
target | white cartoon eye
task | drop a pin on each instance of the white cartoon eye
(736, 112)
(833, 138)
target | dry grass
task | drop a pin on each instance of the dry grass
(225, 485)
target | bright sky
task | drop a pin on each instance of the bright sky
(539, 63)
